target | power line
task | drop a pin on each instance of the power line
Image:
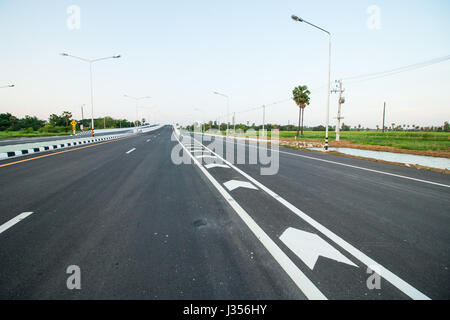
(360, 78)
(377, 75)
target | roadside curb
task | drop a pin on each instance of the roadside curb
(54, 146)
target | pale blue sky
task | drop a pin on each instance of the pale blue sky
(178, 52)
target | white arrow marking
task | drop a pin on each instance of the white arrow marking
(309, 246)
(234, 184)
(215, 165)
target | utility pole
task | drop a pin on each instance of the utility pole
(82, 118)
(234, 122)
(339, 90)
(384, 115)
(264, 120)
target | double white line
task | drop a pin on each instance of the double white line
(309, 289)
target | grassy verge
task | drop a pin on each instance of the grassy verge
(403, 140)
(20, 134)
(420, 141)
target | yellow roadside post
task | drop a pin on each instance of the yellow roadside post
(74, 126)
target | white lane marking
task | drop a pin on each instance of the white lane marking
(300, 279)
(199, 151)
(215, 165)
(206, 156)
(235, 184)
(352, 166)
(14, 221)
(149, 140)
(309, 247)
(132, 150)
(385, 273)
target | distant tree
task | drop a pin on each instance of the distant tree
(302, 99)
(319, 128)
(446, 126)
(67, 116)
(31, 122)
(6, 120)
(345, 127)
(56, 121)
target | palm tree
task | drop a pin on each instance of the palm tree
(302, 99)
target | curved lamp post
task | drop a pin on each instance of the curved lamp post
(91, 61)
(295, 18)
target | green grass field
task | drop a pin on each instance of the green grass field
(20, 134)
(437, 141)
(402, 140)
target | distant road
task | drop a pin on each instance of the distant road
(25, 140)
(141, 227)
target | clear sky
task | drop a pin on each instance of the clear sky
(179, 52)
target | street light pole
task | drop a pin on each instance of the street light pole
(295, 18)
(137, 105)
(91, 61)
(228, 109)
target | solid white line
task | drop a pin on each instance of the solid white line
(300, 279)
(134, 149)
(351, 166)
(14, 221)
(385, 273)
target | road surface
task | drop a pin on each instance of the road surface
(141, 227)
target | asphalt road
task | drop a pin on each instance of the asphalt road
(141, 227)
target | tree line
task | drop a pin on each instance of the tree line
(59, 123)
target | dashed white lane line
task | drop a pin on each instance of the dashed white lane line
(396, 281)
(206, 157)
(14, 221)
(216, 165)
(306, 286)
(149, 140)
(132, 150)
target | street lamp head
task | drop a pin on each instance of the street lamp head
(295, 18)
(117, 57)
(12, 85)
(64, 54)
